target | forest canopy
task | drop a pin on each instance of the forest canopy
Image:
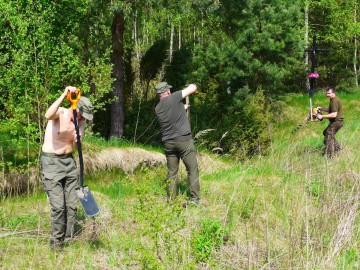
(241, 54)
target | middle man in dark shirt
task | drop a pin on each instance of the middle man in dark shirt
(177, 139)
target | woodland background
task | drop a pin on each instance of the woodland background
(241, 54)
(283, 206)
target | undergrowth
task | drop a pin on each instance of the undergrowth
(290, 209)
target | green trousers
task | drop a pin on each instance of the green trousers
(60, 180)
(331, 144)
(185, 150)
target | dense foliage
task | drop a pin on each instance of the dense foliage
(241, 54)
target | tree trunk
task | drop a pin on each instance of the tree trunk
(356, 50)
(117, 107)
(137, 46)
(179, 36)
(171, 42)
(355, 63)
(306, 42)
(87, 51)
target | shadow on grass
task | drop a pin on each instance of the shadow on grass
(95, 244)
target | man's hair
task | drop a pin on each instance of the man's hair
(332, 89)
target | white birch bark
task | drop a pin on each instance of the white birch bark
(306, 43)
(137, 50)
(356, 71)
(179, 36)
(171, 42)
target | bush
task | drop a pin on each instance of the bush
(208, 239)
(242, 131)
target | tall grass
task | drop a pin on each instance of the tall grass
(292, 209)
(96, 143)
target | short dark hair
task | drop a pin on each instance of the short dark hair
(332, 89)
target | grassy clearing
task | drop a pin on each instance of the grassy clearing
(292, 209)
(94, 143)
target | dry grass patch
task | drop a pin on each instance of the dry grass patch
(129, 159)
(126, 159)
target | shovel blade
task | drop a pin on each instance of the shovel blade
(87, 201)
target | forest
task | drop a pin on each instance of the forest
(270, 198)
(242, 55)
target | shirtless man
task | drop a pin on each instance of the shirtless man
(58, 167)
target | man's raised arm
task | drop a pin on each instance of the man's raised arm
(52, 113)
(190, 89)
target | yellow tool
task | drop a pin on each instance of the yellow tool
(74, 101)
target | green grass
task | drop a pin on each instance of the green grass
(95, 143)
(291, 209)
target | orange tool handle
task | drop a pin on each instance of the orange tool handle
(74, 101)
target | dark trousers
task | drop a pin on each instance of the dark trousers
(60, 179)
(174, 151)
(332, 146)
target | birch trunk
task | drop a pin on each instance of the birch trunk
(306, 43)
(171, 42)
(356, 71)
(179, 36)
(137, 50)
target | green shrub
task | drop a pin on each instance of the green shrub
(208, 239)
(162, 243)
(349, 259)
(243, 130)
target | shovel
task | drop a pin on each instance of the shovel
(83, 192)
